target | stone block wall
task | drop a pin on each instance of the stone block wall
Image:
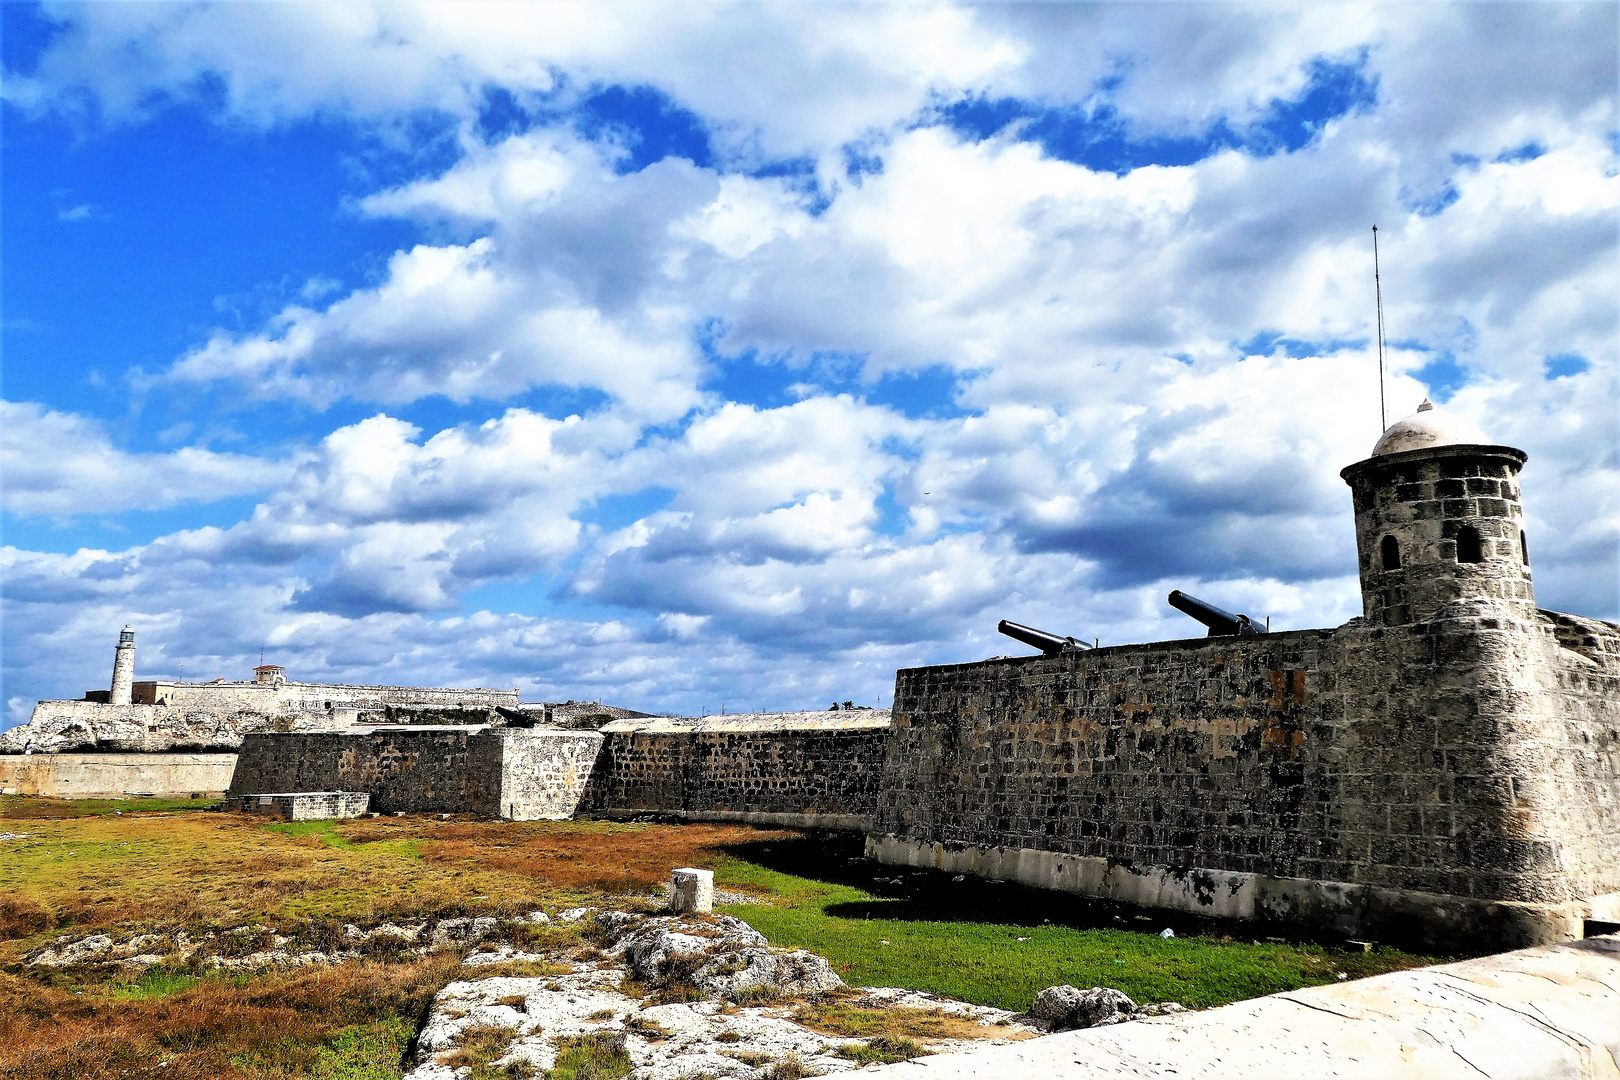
(1447, 780)
(1203, 752)
(521, 774)
(115, 776)
(409, 769)
(545, 774)
(818, 769)
(304, 805)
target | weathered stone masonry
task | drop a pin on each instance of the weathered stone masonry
(816, 769)
(516, 773)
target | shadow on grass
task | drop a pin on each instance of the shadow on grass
(913, 895)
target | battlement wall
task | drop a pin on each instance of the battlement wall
(820, 769)
(1361, 780)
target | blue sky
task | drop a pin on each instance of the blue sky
(672, 355)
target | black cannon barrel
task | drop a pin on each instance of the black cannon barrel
(1050, 644)
(1221, 623)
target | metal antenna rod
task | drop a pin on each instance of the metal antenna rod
(1378, 291)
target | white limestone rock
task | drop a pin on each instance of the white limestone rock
(664, 1042)
(65, 952)
(387, 932)
(722, 958)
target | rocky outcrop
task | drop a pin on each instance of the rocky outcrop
(1066, 1007)
(722, 958)
(68, 727)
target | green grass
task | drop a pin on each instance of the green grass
(363, 1052)
(154, 982)
(883, 1050)
(600, 1056)
(330, 833)
(326, 831)
(987, 963)
(72, 808)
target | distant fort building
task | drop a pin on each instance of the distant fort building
(165, 737)
(271, 694)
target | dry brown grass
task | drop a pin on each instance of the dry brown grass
(597, 856)
(853, 1021)
(20, 917)
(220, 1027)
(198, 870)
(203, 872)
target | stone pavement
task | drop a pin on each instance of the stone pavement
(1550, 1011)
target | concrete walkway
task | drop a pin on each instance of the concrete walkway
(1552, 1011)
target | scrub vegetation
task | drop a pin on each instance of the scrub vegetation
(70, 869)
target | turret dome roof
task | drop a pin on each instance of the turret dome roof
(1428, 427)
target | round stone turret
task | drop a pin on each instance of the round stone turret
(1438, 519)
(123, 677)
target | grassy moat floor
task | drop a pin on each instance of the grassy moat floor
(88, 867)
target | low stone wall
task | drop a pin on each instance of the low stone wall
(113, 776)
(820, 769)
(304, 805)
(521, 774)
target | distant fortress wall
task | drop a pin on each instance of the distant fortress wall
(116, 776)
(295, 697)
(817, 769)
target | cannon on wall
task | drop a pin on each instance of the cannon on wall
(1050, 644)
(1221, 623)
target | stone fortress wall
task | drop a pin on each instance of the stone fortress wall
(820, 769)
(1317, 778)
(284, 697)
(115, 776)
(160, 716)
(517, 773)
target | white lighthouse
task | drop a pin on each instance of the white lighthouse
(123, 668)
